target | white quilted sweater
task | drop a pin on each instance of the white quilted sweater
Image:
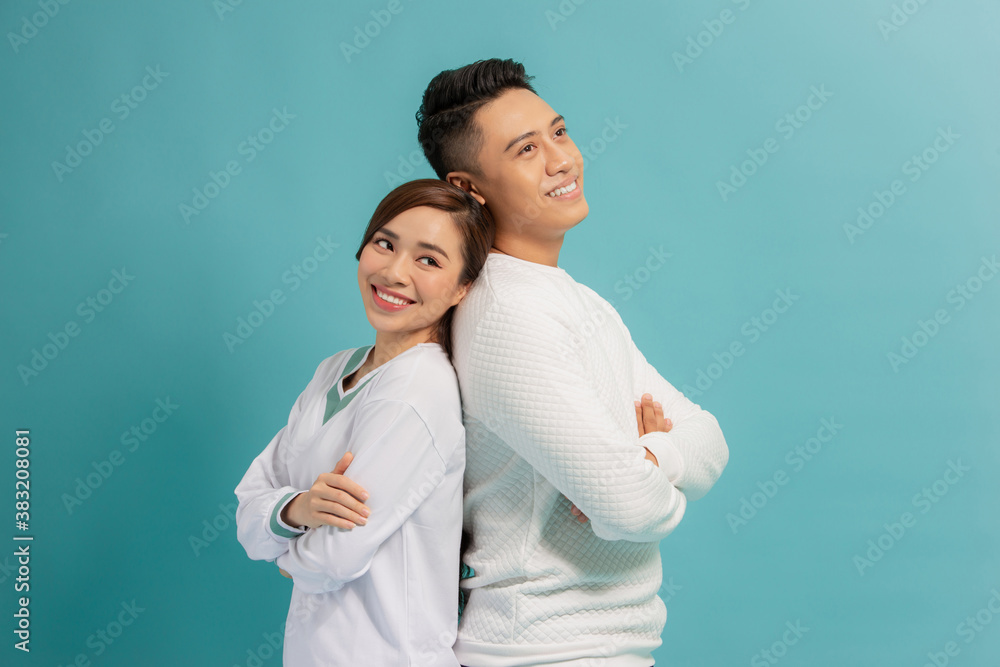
(548, 375)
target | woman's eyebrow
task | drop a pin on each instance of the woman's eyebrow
(422, 244)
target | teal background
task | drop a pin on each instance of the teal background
(654, 185)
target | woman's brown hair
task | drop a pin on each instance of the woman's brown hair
(473, 221)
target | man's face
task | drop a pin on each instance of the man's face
(531, 172)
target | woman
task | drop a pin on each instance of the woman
(374, 557)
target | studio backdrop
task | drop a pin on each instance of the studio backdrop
(793, 206)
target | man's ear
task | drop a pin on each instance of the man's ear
(463, 179)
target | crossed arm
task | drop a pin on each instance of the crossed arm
(326, 557)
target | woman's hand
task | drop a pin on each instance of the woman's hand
(649, 417)
(333, 500)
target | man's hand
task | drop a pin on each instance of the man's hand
(649, 417)
(333, 500)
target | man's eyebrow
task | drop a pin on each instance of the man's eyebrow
(524, 136)
(423, 244)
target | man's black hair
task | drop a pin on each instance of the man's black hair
(450, 137)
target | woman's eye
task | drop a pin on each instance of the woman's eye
(387, 246)
(430, 259)
(561, 129)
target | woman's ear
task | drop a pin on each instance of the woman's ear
(462, 291)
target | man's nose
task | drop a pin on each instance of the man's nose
(559, 160)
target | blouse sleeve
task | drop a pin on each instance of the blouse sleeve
(398, 462)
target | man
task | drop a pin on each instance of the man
(549, 378)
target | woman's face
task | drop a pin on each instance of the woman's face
(409, 270)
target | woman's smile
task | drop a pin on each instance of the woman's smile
(388, 301)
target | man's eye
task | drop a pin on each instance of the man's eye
(527, 147)
(561, 129)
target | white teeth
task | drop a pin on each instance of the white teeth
(562, 191)
(390, 299)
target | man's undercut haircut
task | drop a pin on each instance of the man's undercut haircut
(446, 128)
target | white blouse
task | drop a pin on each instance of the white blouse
(384, 593)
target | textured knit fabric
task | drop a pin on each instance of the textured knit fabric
(383, 593)
(549, 375)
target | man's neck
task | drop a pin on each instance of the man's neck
(528, 249)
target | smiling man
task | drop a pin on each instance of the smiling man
(549, 378)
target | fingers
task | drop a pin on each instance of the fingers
(649, 416)
(346, 484)
(330, 502)
(575, 511)
(284, 574)
(658, 414)
(342, 464)
(334, 499)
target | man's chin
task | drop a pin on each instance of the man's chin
(580, 211)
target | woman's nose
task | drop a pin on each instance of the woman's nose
(395, 270)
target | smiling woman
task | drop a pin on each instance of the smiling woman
(385, 526)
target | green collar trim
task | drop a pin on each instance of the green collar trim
(333, 401)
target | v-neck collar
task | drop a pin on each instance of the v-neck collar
(337, 398)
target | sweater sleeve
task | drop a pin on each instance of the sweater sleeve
(694, 452)
(528, 387)
(396, 461)
(264, 490)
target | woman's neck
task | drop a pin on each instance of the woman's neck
(387, 346)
